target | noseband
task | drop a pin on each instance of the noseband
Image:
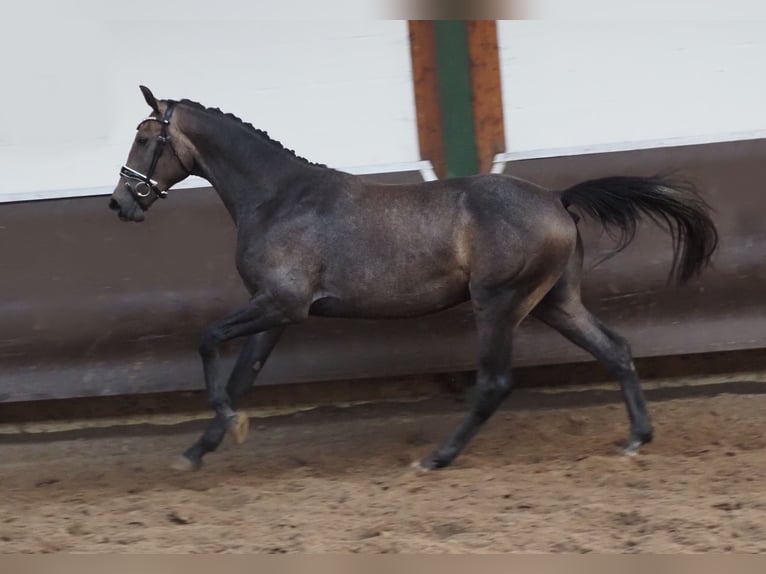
(144, 184)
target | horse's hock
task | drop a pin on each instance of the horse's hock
(93, 308)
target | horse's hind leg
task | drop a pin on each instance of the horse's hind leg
(563, 310)
(250, 361)
(496, 319)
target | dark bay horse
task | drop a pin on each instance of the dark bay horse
(316, 241)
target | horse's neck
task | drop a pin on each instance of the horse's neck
(245, 169)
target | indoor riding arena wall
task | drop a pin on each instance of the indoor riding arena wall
(92, 307)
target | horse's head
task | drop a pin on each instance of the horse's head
(159, 158)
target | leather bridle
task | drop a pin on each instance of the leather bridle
(143, 184)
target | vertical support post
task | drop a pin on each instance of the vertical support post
(426, 85)
(458, 97)
(487, 91)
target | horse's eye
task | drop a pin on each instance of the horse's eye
(141, 140)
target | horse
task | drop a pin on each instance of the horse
(312, 240)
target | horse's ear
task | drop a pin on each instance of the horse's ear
(150, 99)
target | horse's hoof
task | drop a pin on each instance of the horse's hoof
(184, 464)
(632, 447)
(238, 427)
(430, 462)
(636, 440)
(420, 467)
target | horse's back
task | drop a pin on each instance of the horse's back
(465, 220)
(485, 226)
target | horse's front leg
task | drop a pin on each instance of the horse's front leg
(250, 362)
(264, 312)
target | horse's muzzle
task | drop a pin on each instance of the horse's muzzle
(114, 205)
(132, 213)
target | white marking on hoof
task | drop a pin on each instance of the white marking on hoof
(630, 452)
(418, 466)
(183, 464)
(239, 426)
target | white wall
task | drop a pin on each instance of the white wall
(647, 10)
(338, 92)
(576, 85)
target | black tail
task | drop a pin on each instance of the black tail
(619, 203)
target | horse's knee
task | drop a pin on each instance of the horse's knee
(209, 342)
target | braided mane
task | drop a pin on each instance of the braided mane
(260, 133)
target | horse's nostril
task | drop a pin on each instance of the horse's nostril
(114, 205)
